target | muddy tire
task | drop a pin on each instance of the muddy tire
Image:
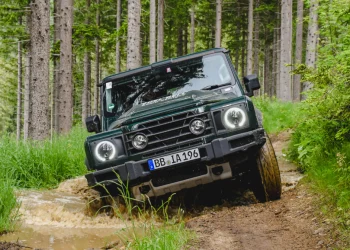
(265, 174)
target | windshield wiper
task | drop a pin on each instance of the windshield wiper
(215, 86)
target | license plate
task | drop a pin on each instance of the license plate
(173, 159)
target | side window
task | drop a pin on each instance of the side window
(108, 93)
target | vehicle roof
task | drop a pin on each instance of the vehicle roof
(162, 63)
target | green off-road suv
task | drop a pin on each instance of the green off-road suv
(178, 124)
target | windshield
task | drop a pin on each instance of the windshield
(207, 73)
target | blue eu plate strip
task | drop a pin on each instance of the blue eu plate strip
(150, 165)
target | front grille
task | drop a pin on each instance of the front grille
(168, 176)
(169, 133)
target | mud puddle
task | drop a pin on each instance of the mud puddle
(290, 176)
(57, 219)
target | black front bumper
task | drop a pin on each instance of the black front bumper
(137, 172)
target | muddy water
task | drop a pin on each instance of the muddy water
(290, 176)
(56, 220)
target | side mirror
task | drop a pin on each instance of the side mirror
(93, 124)
(251, 83)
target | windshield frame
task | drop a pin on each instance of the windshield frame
(234, 80)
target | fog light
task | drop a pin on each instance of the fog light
(140, 141)
(217, 170)
(144, 189)
(197, 126)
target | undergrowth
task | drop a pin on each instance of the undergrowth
(36, 165)
(8, 206)
(277, 115)
(43, 164)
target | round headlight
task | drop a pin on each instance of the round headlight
(197, 126)
(140, 141)
(234, 118)
(105, 150)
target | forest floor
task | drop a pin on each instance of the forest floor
(58, 219)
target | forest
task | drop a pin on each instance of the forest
(54, 54)
(54, 50)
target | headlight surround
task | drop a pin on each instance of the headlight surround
(234, 118)
(105, 151)
(139, 141)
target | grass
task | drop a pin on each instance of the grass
(329, 177)
(36, 165)
(147, 226)
(43, 164)
(277, 115)
(8, 206)
(165, 237)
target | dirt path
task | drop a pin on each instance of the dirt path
(289, 223)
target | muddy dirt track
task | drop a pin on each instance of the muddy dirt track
(289, 223)
(57, 219)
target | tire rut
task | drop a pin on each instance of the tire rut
(288, 223)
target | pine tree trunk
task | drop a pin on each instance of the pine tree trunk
(286, 51)
(278, 56)
(27, 110)
(256, 44)
(213, 37)
(267, 69)
(238, 35)
(65, 88)
(243, 52)
(274, 63)
(97, 61)
(185, 43)
(311, 49)
(134, 36)
(218, 23)
(192, 28)
(39, 124)
(160, 38)
(117, 47)
(85, 102)
(298, 49)
(19, 87)
(152, 32)
(56, 69)
(250, 39)
(179, 42)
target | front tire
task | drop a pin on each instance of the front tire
(266, 179)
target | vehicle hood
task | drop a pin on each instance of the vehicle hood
(162, 106)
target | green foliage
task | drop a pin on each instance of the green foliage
(43, 164)
(321, 141)
(8, 206)
(8, 84)
(277, 115)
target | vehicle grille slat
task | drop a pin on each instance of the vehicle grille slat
(162, 124)
(169, 132)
